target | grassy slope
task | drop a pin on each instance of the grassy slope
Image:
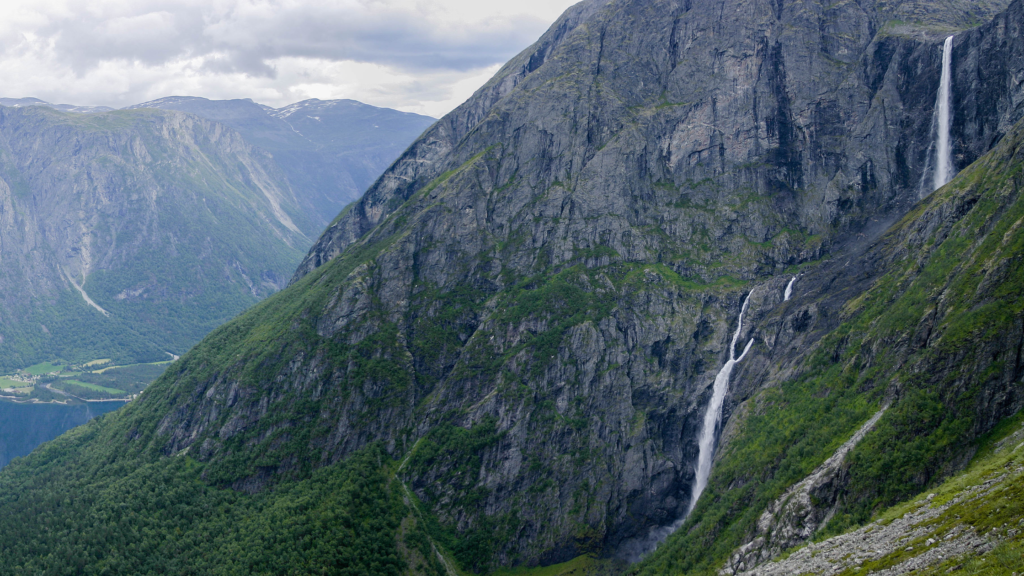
(972, 524)
(998, 514)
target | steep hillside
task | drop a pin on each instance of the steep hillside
(971, 524)
(522, 322)
(330, 151)
(128, 235)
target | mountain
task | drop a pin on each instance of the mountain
(508, 351)
(129, 235)
(923, 328)
(330, 151)
(21, 102)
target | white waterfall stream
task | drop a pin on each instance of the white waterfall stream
(635, 549)
(944, 107)
(789, 290)
(938, 169)
(713, 415)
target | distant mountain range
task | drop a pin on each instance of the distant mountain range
(129, 234)
(23, 102)
(329, 150)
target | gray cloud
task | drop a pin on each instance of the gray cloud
(422, 56)
(245, 38)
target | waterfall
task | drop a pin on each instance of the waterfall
(634, 549)
(789, 289)
(944, 117)
(713, 415)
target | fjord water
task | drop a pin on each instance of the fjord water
(944, 117)
(24, 426)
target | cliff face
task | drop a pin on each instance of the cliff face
(890, 360)
(823, 113)
(133, 233)
(530, 306)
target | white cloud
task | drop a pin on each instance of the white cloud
(425, 56)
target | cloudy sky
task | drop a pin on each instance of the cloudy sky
(423, 56)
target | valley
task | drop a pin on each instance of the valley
(126, 236)
(700, 288)
(93, 381)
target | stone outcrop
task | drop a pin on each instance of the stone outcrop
(933, 533)
(794, 517)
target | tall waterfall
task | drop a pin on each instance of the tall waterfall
(713, 415)
(635, 549)
(944, 117)
(789, 290)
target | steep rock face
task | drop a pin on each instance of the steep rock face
(820, 107)
(329, 150)
(533, 301)
(133, 233)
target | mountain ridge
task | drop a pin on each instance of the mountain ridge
(330, 149)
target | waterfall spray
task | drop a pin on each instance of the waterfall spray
(789, 290)
(944, 117)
